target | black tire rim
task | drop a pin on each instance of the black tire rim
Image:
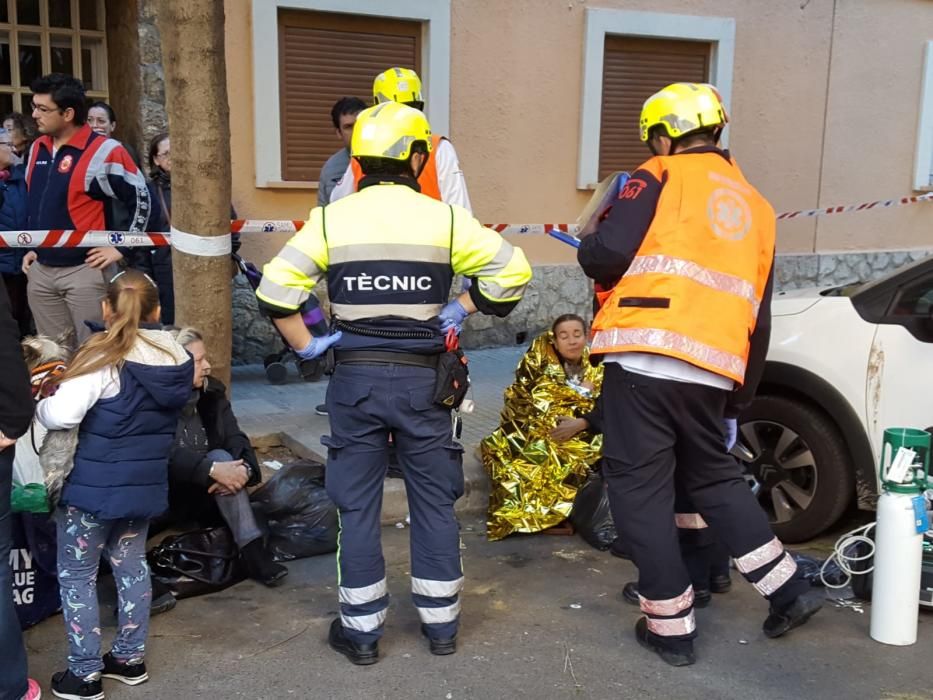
(784, 467)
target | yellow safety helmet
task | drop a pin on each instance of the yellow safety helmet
(389, 130)
(397, 85)
(682, 108)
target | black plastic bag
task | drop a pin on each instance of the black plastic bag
(810, 568)
(591, 515)
(302, 521)
(197, 562)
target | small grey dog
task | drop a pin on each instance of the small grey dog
(46, 358)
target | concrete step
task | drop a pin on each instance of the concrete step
(306, 442)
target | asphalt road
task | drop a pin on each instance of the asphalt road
(542, 619)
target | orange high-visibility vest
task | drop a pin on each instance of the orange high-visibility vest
(694, 288)
(428, 179)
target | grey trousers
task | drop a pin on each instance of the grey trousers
(235, 509)
(63, 298)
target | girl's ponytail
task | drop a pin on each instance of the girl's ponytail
(132, 297)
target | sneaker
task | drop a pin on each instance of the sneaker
(321, 409)
(67, 685)
(679, 655)
(33, 691)
(797, 613)
(129, 672)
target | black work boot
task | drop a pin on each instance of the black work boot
(260, 566)
(163, 599)
(440, 647)
(359, 654)
(720, 584)
(701, 598)
(677, 652)
(803, 607)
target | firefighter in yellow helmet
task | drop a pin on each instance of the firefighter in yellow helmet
(389, 255)
(441, 178)
(687, 251)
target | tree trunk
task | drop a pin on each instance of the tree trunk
(199, 122)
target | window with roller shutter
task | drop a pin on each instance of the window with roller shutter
(326, 56)
(634, 69)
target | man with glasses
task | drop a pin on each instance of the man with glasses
(76, 179)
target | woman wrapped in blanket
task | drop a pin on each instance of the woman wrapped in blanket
(548, 436)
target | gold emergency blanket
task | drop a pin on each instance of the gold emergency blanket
(534, 479)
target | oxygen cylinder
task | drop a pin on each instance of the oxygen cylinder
(896, 578)
(901, 521)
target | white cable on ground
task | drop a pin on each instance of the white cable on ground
(843, 561)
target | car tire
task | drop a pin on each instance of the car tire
(830, 482)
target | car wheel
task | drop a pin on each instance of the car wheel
(801, 463)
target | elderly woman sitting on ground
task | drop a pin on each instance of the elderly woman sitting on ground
(213, 463)
(548, 435)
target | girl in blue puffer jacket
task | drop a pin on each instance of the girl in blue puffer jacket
(124, 391)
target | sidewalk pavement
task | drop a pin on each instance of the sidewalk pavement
(286, 411)
(543, 619)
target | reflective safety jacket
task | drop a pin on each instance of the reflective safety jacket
(389, 255)
(694, 287)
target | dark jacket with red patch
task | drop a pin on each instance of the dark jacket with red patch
(89, 183)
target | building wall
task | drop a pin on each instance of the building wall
(516, 102)
(818, 119)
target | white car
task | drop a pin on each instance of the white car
(844, 364)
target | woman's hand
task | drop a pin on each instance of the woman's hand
(229, 477)
(567, 427)
(588, 385)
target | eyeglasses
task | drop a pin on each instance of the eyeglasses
(167, 154)
(43, 109)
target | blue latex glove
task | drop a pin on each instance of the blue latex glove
(732, 432)
(318, 346)
(452, 316)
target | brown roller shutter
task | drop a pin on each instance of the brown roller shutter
(633, 70)
(323, 57)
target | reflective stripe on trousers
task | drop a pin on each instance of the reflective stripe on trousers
(768, 567)
(363, 609)
(672, 617)
(438, 605)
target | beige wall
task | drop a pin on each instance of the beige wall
(874, 95)
(515, 113)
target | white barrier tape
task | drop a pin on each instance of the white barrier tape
(222, 245)
(204, 246)
(79, 239)
(863, 206)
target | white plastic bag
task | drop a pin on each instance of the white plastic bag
(26, 467)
